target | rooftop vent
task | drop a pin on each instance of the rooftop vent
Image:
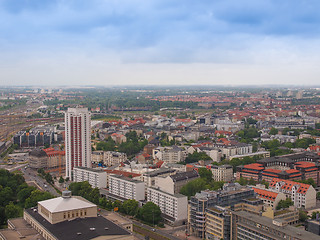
(106, 228)
(92, 229)
(79, 233)
(66, 194)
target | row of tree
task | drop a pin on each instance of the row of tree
(15, 195)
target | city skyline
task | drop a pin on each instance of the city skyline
(159, 42)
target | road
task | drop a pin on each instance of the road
(31, 175)
(150, 231)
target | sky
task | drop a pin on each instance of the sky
(159, 42)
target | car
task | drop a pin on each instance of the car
(153, 230)
(45, 185)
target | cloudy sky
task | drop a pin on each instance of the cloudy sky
(122, 42)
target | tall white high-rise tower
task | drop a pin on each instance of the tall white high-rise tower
(77, 139)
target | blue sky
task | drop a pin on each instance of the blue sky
(110, 42)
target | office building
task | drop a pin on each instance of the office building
(253, 227)
(77, 139)
(231, 194)
(95, 177)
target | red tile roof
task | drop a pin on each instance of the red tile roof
(263, 193)
(302, 187)
(256, 166)
(123, 173)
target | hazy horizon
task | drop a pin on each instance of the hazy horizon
(161, 42)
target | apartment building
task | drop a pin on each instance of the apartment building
(123, 188)
(172, 154)
(95, 177)
(302, 195)
(173, 183)
(47, 158)
(77, 139)
(222, 173)
(111, 158)
(173, 206)
(150, 177)
(269, 198)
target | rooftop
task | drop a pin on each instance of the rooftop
(80, 228)
(61, 204)
(295, 232)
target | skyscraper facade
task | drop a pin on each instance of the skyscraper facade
(77, 139)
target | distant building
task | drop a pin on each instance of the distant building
(222, 173)
(46, 158)
(111, 158)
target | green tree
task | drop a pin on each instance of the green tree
(284, 203)
(205, 173)
(150, 213)
(24, 193)
(197, 156)
(303, 216)
(35, 197)
(61, 180)
(130, 207)
(13, 211)
(273, 131)
(3, 217)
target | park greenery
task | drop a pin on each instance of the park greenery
(15, 195)
(196, 156)
(204, 182)
(133, 145)
(149, 213)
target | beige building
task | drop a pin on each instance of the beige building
(270, 198)
(67, 217)
(173, 183)
(287, 216)
(97, 156)
(111, 158)
(46, 159)
(222, 173)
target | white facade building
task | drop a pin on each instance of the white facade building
(95, 177)
(126, 188)
(77, 139)
(302, 195)
(172, 206)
